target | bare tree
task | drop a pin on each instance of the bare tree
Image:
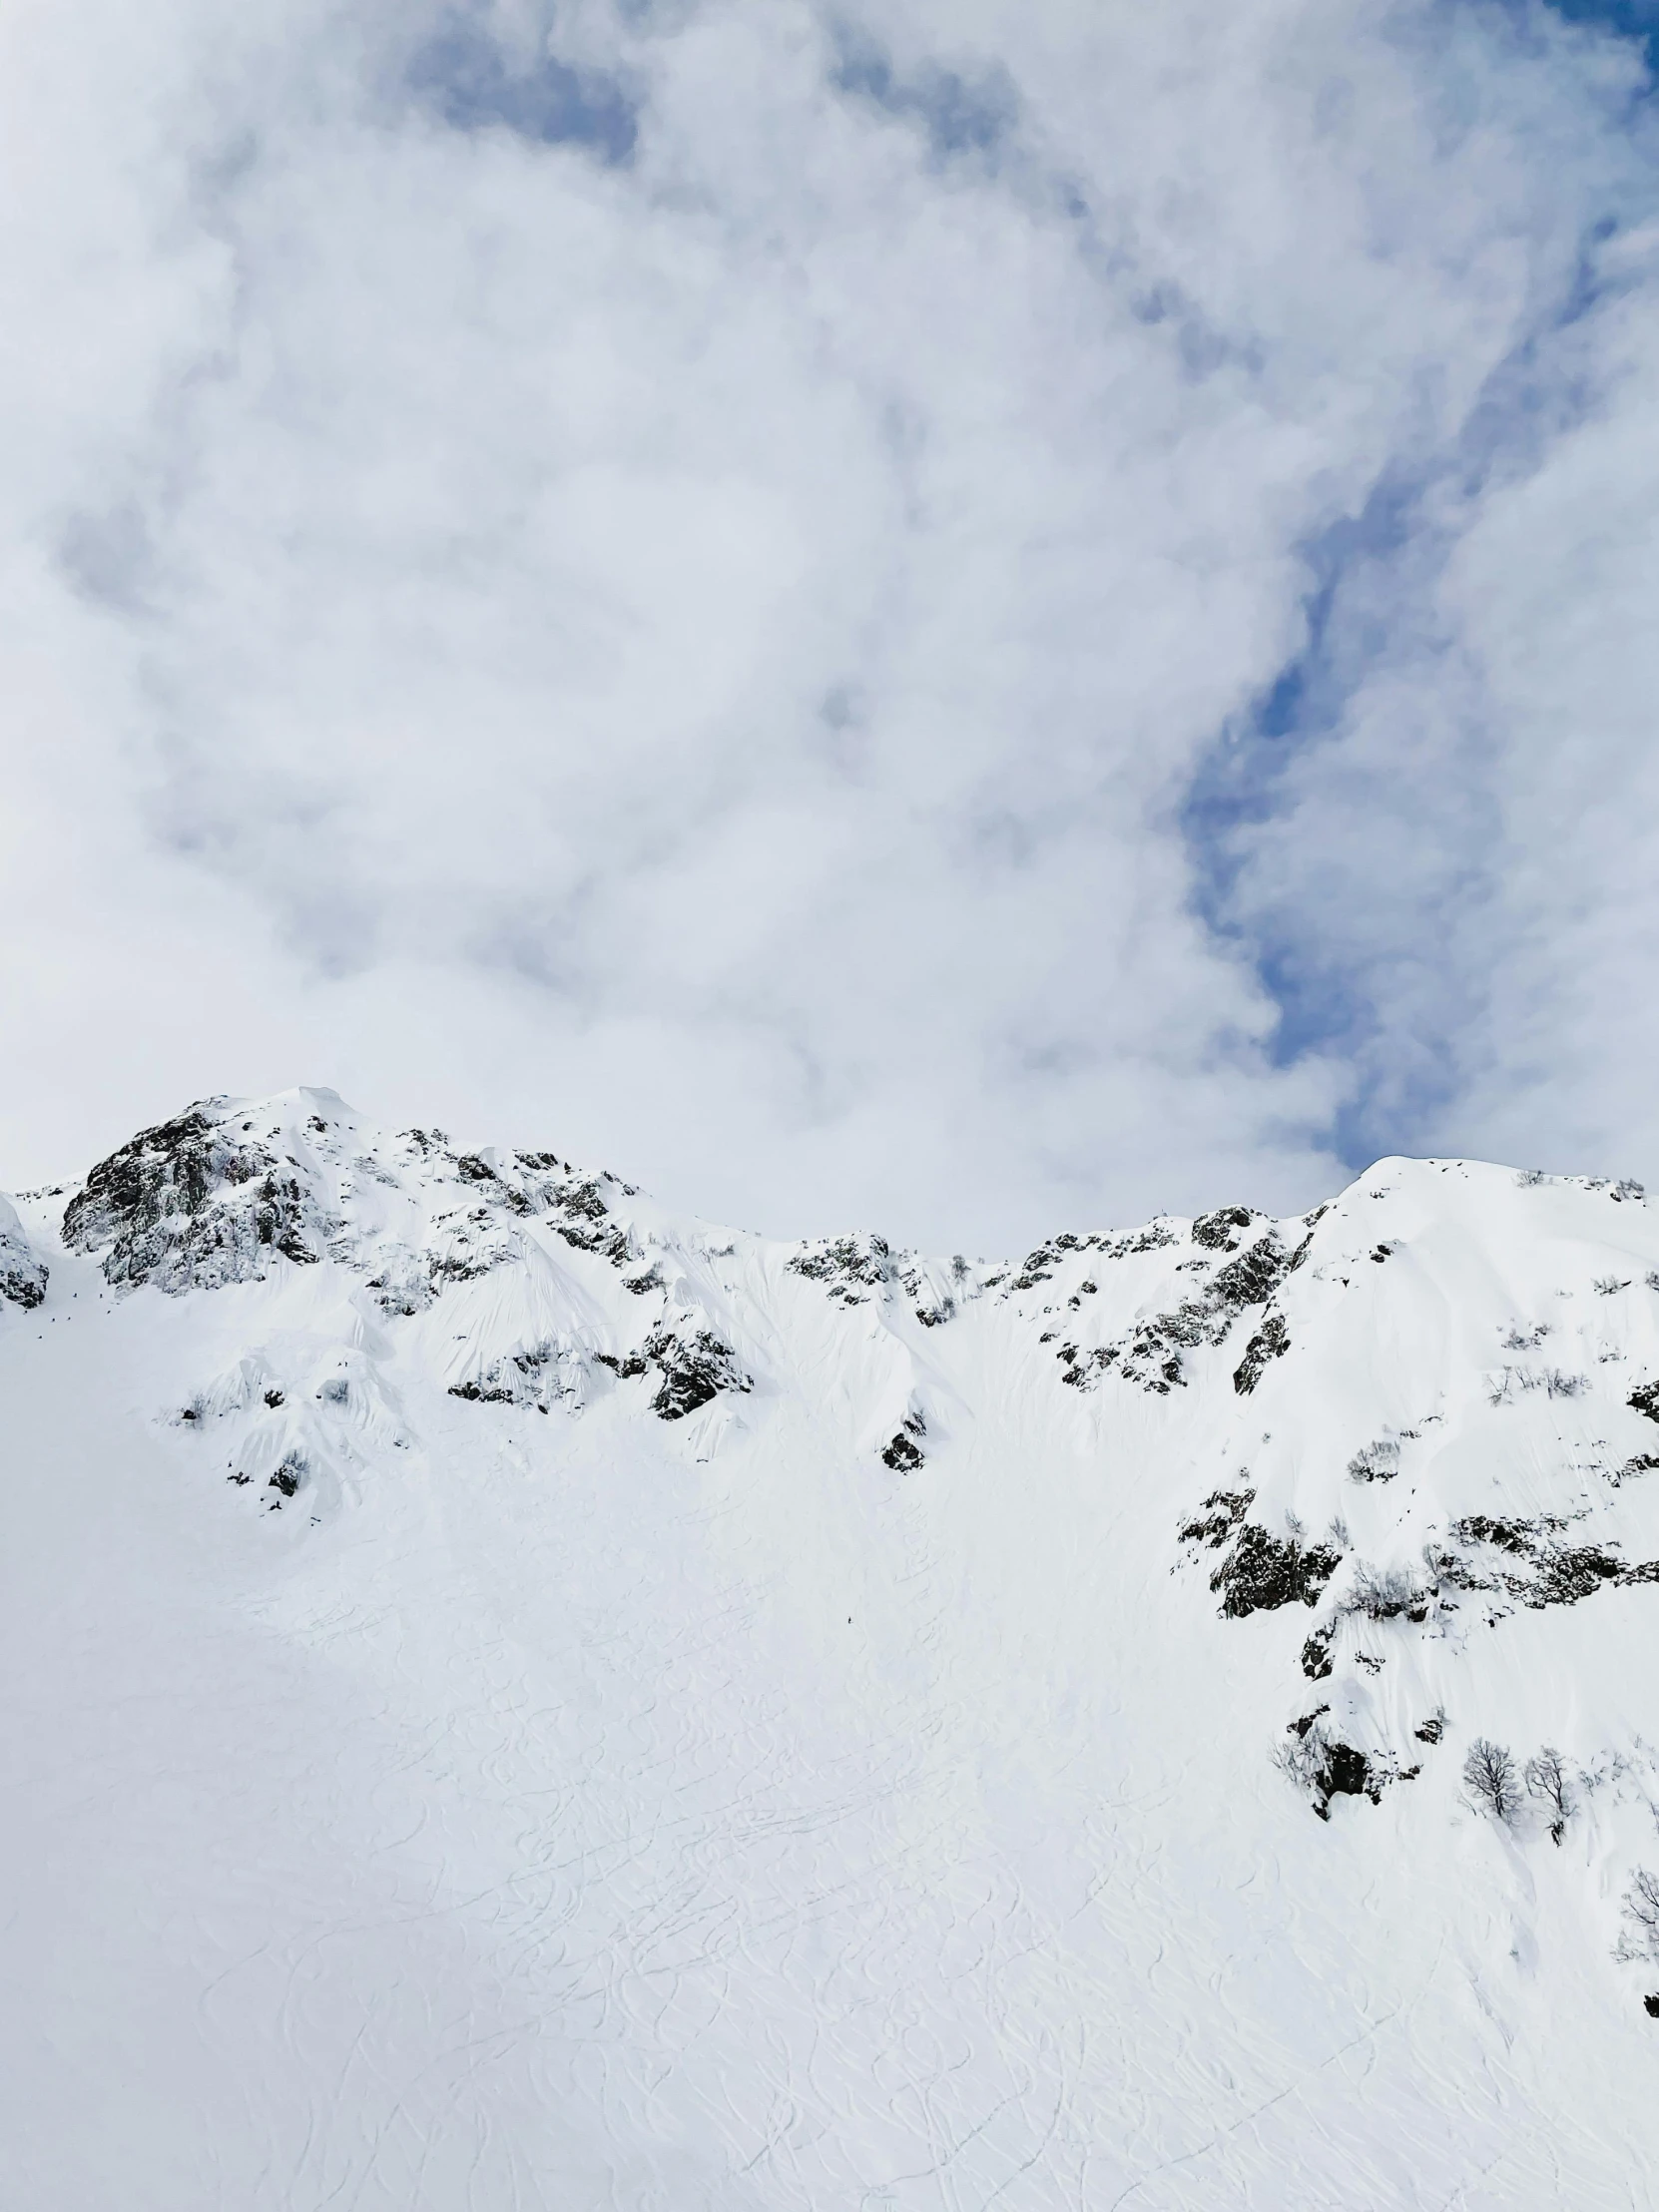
(1383, 1593)
(1299, 1760)
(1546, 1778)
(1641, 1905)
(1375, 1462)
(1490, 1777)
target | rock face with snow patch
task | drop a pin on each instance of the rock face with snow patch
(192, 1204)
(23, 1273)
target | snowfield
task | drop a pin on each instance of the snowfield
(516, 1701)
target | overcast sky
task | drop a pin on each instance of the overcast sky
(965, 616)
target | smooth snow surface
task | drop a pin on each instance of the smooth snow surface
(519, 1702)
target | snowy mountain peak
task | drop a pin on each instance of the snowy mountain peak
(998, 1605)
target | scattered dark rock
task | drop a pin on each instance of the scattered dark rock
(1254, 1276)
(610, 1243)
(1037, 1266)
(1215, 1231)
(464, 1255)
(1342, 1772)
(288, 1476)
(1153, 1237)
(1645, 1398)
(1508, 1535)
(1325, 1767)
(1567, 1575)
(627, 1364)
(586, 1200)
(1546, 1571)
(533, 1376)
(1261, 1573)
(902, 1454)
(1084, 1367)
(694, 1371)
(1651, 2006)
(1218, 1517)
(1431, 1731)
(1152, 1356)
(1315, 1653)
(1271, 1342)
(842, 1259)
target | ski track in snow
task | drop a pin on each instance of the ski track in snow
(545, 1804)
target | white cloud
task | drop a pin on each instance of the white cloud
(700, 659)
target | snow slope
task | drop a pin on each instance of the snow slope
(518, 1701)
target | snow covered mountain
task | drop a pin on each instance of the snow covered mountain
(516, 1700)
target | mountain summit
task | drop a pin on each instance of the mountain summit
(521, 1700)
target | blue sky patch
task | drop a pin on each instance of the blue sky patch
(464, 75)
(960, 115)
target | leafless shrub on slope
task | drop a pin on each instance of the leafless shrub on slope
(1641, 1910)
(1375, 1462)
(1383, 1593)
(1490, 1777)
(1546, 1778)
(1553, 1381)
